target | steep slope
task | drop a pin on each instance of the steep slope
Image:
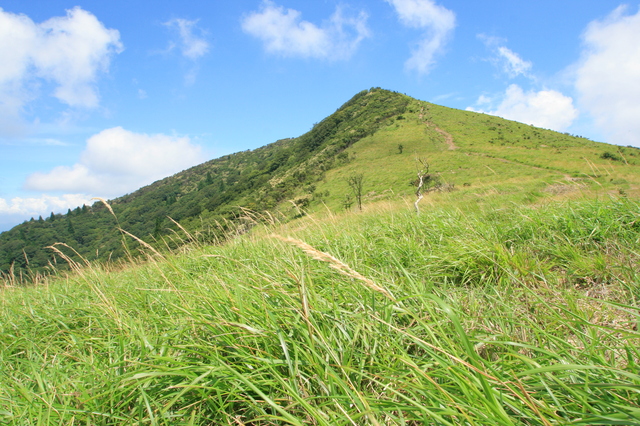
(377, 134)
(509, 315)
(479, 155)
(205, 197)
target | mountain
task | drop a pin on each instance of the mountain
(384, 137)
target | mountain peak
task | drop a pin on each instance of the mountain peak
(379, 134)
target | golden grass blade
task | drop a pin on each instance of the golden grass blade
(106, 205)
(144, 243)
(182, 228)
(334, 263)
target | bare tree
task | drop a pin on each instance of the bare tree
(426, 181)
(355, 182)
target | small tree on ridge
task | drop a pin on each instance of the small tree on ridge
(355, 182)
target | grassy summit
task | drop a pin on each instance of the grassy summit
(378, 134)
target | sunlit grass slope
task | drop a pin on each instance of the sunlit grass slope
(378, 134)
(476, 154)
(476, 314)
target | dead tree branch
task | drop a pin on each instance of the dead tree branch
(422, 173)
(426, 182)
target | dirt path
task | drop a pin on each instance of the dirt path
(448, 138)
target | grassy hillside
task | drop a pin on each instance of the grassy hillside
(378, 133)
(200, 198)
(491, 313)
(485, 154)
(511, 299)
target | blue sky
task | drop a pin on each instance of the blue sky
(98, 98)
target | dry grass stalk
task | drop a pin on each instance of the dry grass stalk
(334, 263)
(75, 266)
(9, 279)
(144, 243)
(86, 262)
(106, 205)
(246, 327)
(182, 229)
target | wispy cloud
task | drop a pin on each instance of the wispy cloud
(190, 39)
(438, 23)
(283, 32)
(116, 161)
(37, 141)
(70, 51)
(191, 42)
(506, 59)
(606, 78)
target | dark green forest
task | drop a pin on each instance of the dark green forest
(204, 200)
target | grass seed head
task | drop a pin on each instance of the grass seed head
(334, 263)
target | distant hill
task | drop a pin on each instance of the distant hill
(378, 134)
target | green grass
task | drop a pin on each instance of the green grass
(543, 165)
(483, 157)
(494, 314)
(511, 301)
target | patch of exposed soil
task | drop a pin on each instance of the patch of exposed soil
(448, 138)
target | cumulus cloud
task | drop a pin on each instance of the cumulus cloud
(607, 76)
(509, 61)
(438, 23)
(43, 205)
(283, 32)
(17, 209)
(116, 161)
(70, 51)
(546, 108)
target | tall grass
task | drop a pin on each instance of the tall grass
(496, 316)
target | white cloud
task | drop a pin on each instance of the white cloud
(483, 100)
(608, 76)
(546, 108)
(42, 205)
(543, 108)
(509, 61)
(36, 141)
(191, 46)
(514, 65)
(283, 32)
(69, 51)
(116, 161)
(18, 209)
(438, 22)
